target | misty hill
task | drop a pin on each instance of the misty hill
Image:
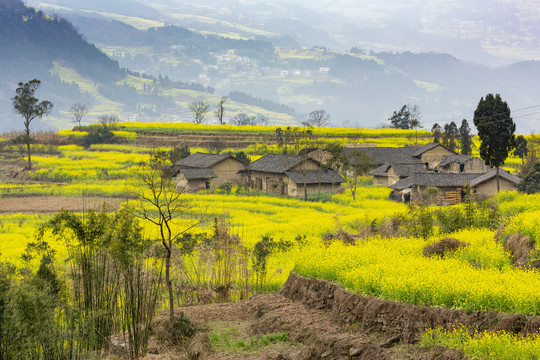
(239, 47)
(36, 45)
(225, 57)
(30, 42)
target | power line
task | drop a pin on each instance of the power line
(498, 114)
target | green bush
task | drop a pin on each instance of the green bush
(531, 182)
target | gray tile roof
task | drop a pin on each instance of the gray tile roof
(197, 173)
(380, 171)
(202, 160)
(427, 147)
(404, 170)
(389, 155)
(454, 159)
(276, 163)
(434, 179)
(493, 173)
(315, 176)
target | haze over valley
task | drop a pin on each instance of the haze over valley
(277, 59)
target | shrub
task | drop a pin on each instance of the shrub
(242, 156)
(441, 247)
(531, 182)
(179, 153)
(226, 188)
(99, 134)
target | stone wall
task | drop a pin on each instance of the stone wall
(402, 320)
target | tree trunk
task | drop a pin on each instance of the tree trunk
(169, 283)
(498, 185)
(27, 130)
(28, 151)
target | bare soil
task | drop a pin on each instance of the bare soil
(324, 321)
(312, 334)
(52, 204)
(11, 170)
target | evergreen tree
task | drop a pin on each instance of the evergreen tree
(521, 147)
(496, 131)
(465, 142)
(436, 130)
(401, 119)
(450, 136)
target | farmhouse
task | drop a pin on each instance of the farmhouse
(395, 163)
(193, 179)
(417, 187)
(457, 164)
(291, 175)
(485, 185)
(398, 163)
(201, 171)
(432, 154)
(450, 186)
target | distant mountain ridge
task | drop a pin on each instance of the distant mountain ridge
(357, 88)
(30, 42)
(33, 37)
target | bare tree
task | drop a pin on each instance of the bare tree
(199, 108)
(28, 107)
(217, 145)
(243, 119)
(415, 117)
(414, 112)
(319, 118)
(161, 204)
(299, 138)
(220, 111)
(262, 120)
(109, 120)
(358, 163)
(415, 125)
(78, 110)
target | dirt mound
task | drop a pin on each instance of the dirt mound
(312, 334)
(441, 247)
(324, 321)
(520, 247)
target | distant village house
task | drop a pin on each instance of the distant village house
(202, 171)
(291, 175)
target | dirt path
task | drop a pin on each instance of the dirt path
(312, 334)
(51, 204)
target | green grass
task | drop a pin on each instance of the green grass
(228, 337)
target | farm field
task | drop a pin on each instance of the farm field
(361, 254)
